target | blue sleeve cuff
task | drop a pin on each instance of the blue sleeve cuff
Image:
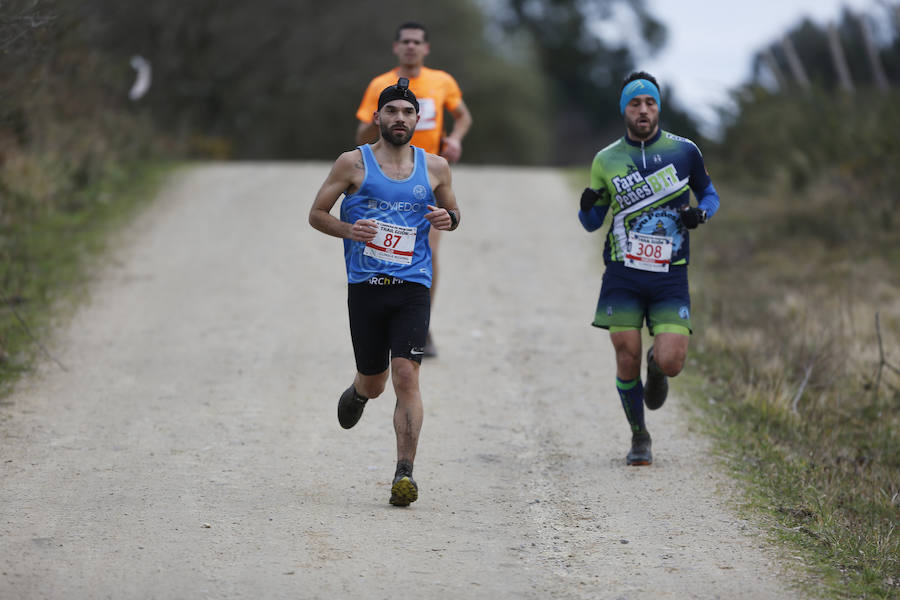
(709, 200)
(593, 219)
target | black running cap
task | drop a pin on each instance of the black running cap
(400, 91)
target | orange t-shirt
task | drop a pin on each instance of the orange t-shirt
(435, 90)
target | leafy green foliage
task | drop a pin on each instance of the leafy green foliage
(587, 71)
(830, 148)
(283, 78)
(68, 149)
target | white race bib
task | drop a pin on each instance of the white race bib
(427, 115)
(392, 243)
(648, 252)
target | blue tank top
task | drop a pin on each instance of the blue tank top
(401, 248)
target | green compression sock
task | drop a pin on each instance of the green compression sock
(632, 395)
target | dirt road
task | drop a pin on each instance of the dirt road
(192, 450)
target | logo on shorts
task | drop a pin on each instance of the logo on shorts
(609, 311)
(684, 313)
(417, 351)
(419, 192)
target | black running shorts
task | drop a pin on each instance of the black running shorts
(387, 321)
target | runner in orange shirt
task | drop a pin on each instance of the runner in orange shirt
(436, 91)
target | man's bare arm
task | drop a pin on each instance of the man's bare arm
(439, 175)
(366, 133)
(462, 122)
(344, 177)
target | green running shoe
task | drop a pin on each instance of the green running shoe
(350, 407)
(640, 450)
(404, 490)
(657, 387)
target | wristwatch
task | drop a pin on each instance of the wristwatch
(454, 220)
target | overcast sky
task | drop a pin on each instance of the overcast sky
(711, 44)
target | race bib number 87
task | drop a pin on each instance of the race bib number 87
(392, 243)
(648, 252)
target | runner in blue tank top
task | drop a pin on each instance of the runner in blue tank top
(402, 248)
(394, 194)
(645, 180)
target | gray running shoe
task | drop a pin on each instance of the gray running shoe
(404, 490)
(640, 450)
(657, 387)
(350, 407)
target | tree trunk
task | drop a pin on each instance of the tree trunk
(794, 63)
(771, 62)
(839, 59)
(881, 81)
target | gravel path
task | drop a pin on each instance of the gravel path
(192, 448)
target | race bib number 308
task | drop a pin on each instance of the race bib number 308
(392, 243)
(648, 252)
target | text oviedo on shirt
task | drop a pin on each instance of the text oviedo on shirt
(419, 193)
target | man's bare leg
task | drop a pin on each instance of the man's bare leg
(408, 416)
(664, 360)
(355, 397)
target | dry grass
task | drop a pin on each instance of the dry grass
(787, 340)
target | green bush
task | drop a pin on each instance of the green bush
(73, 157)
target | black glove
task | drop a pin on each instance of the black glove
(692, 216)
(589, 198)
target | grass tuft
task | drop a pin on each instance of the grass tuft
(47, 242)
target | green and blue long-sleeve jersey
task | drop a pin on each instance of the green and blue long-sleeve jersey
(648, 183)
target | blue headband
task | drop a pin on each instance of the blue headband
(638, 87)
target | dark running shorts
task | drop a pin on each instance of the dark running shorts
(629, 296)
(387, 321)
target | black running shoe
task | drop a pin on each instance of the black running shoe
(429, 351)
(404, 490)
(640, 450)
(350, 407)
(657, 387)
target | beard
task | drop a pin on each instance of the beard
(642, 132)
(395, 138)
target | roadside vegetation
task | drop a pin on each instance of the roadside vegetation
(797, 301)
(47, 247)
(75, 159)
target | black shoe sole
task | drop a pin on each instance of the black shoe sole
(640, 454)
(349, 409)
(655, 393)
(657, 387)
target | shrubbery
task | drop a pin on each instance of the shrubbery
(71, 150)
(788, 280)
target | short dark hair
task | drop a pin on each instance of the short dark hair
(410, 25)
(640, 75)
